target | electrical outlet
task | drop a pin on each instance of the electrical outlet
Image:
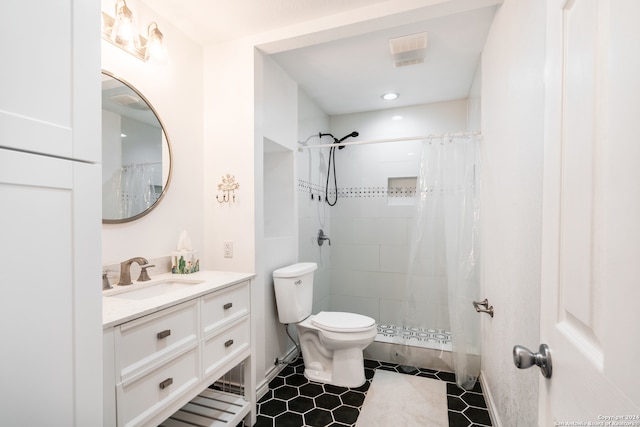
(228, 249)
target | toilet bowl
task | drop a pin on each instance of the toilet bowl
(332, 351)
(331, 342)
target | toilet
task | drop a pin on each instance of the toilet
(331, 342)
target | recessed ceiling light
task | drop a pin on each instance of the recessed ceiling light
(396, 118)
(390, 96)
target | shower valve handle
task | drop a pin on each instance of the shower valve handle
(322, 237)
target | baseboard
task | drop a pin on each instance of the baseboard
(488, 397)
(263, 386)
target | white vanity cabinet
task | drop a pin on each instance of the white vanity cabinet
(157, 363)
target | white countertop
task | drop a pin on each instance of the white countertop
(117, 310)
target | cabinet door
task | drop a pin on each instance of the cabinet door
(50, 308)
(50, 305)
(50, 78)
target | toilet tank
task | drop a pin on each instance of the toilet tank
(294, 291)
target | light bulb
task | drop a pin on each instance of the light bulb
(123, 33)
(155, 47)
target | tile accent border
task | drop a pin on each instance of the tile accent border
(315, 191)
(437, 339)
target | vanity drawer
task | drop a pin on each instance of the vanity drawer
(221, 308)
(151, 340)
(146, 396)
(226, 345)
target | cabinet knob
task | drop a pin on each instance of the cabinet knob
(228, 343)
(228, 305)
(164, 334)
(166, 383)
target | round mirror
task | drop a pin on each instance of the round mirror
(136, 155)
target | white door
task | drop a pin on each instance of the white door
(591, 214)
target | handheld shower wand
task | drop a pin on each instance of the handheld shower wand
(332, 158)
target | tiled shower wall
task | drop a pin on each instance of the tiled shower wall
(364, 269)
(371, 229)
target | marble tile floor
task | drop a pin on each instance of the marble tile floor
(294, 401)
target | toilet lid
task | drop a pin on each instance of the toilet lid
(336, 321)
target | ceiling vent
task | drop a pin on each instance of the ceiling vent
(124, 99)
(130, 101)
(408, 50)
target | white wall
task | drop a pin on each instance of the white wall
(232, 130)
(512, 127)
(250, 132)
(174, 87)
(418, 120)
(474, 112)
(277, 244)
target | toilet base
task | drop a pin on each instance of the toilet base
(317, 376)
(334, 357)
(347, 369)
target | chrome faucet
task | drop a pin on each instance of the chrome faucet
(125, 270)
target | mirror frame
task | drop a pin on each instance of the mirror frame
(166, 136)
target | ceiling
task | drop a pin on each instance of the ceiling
(350, 74)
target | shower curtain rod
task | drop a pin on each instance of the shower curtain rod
(376, 141)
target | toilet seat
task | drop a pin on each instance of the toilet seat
(336, 321)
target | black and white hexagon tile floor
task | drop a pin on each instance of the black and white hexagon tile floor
(294, 401)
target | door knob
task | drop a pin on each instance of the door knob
(524, 358)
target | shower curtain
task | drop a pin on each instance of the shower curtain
(443, 271)
(135, 191)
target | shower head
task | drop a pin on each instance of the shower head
(353, 134)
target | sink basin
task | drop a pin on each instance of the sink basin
(151, 290)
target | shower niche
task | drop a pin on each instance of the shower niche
(401, 191)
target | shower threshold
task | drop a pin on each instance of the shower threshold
(436, 339)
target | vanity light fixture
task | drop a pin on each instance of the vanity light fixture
(155, 48)
(121, 31)
(390, 96)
